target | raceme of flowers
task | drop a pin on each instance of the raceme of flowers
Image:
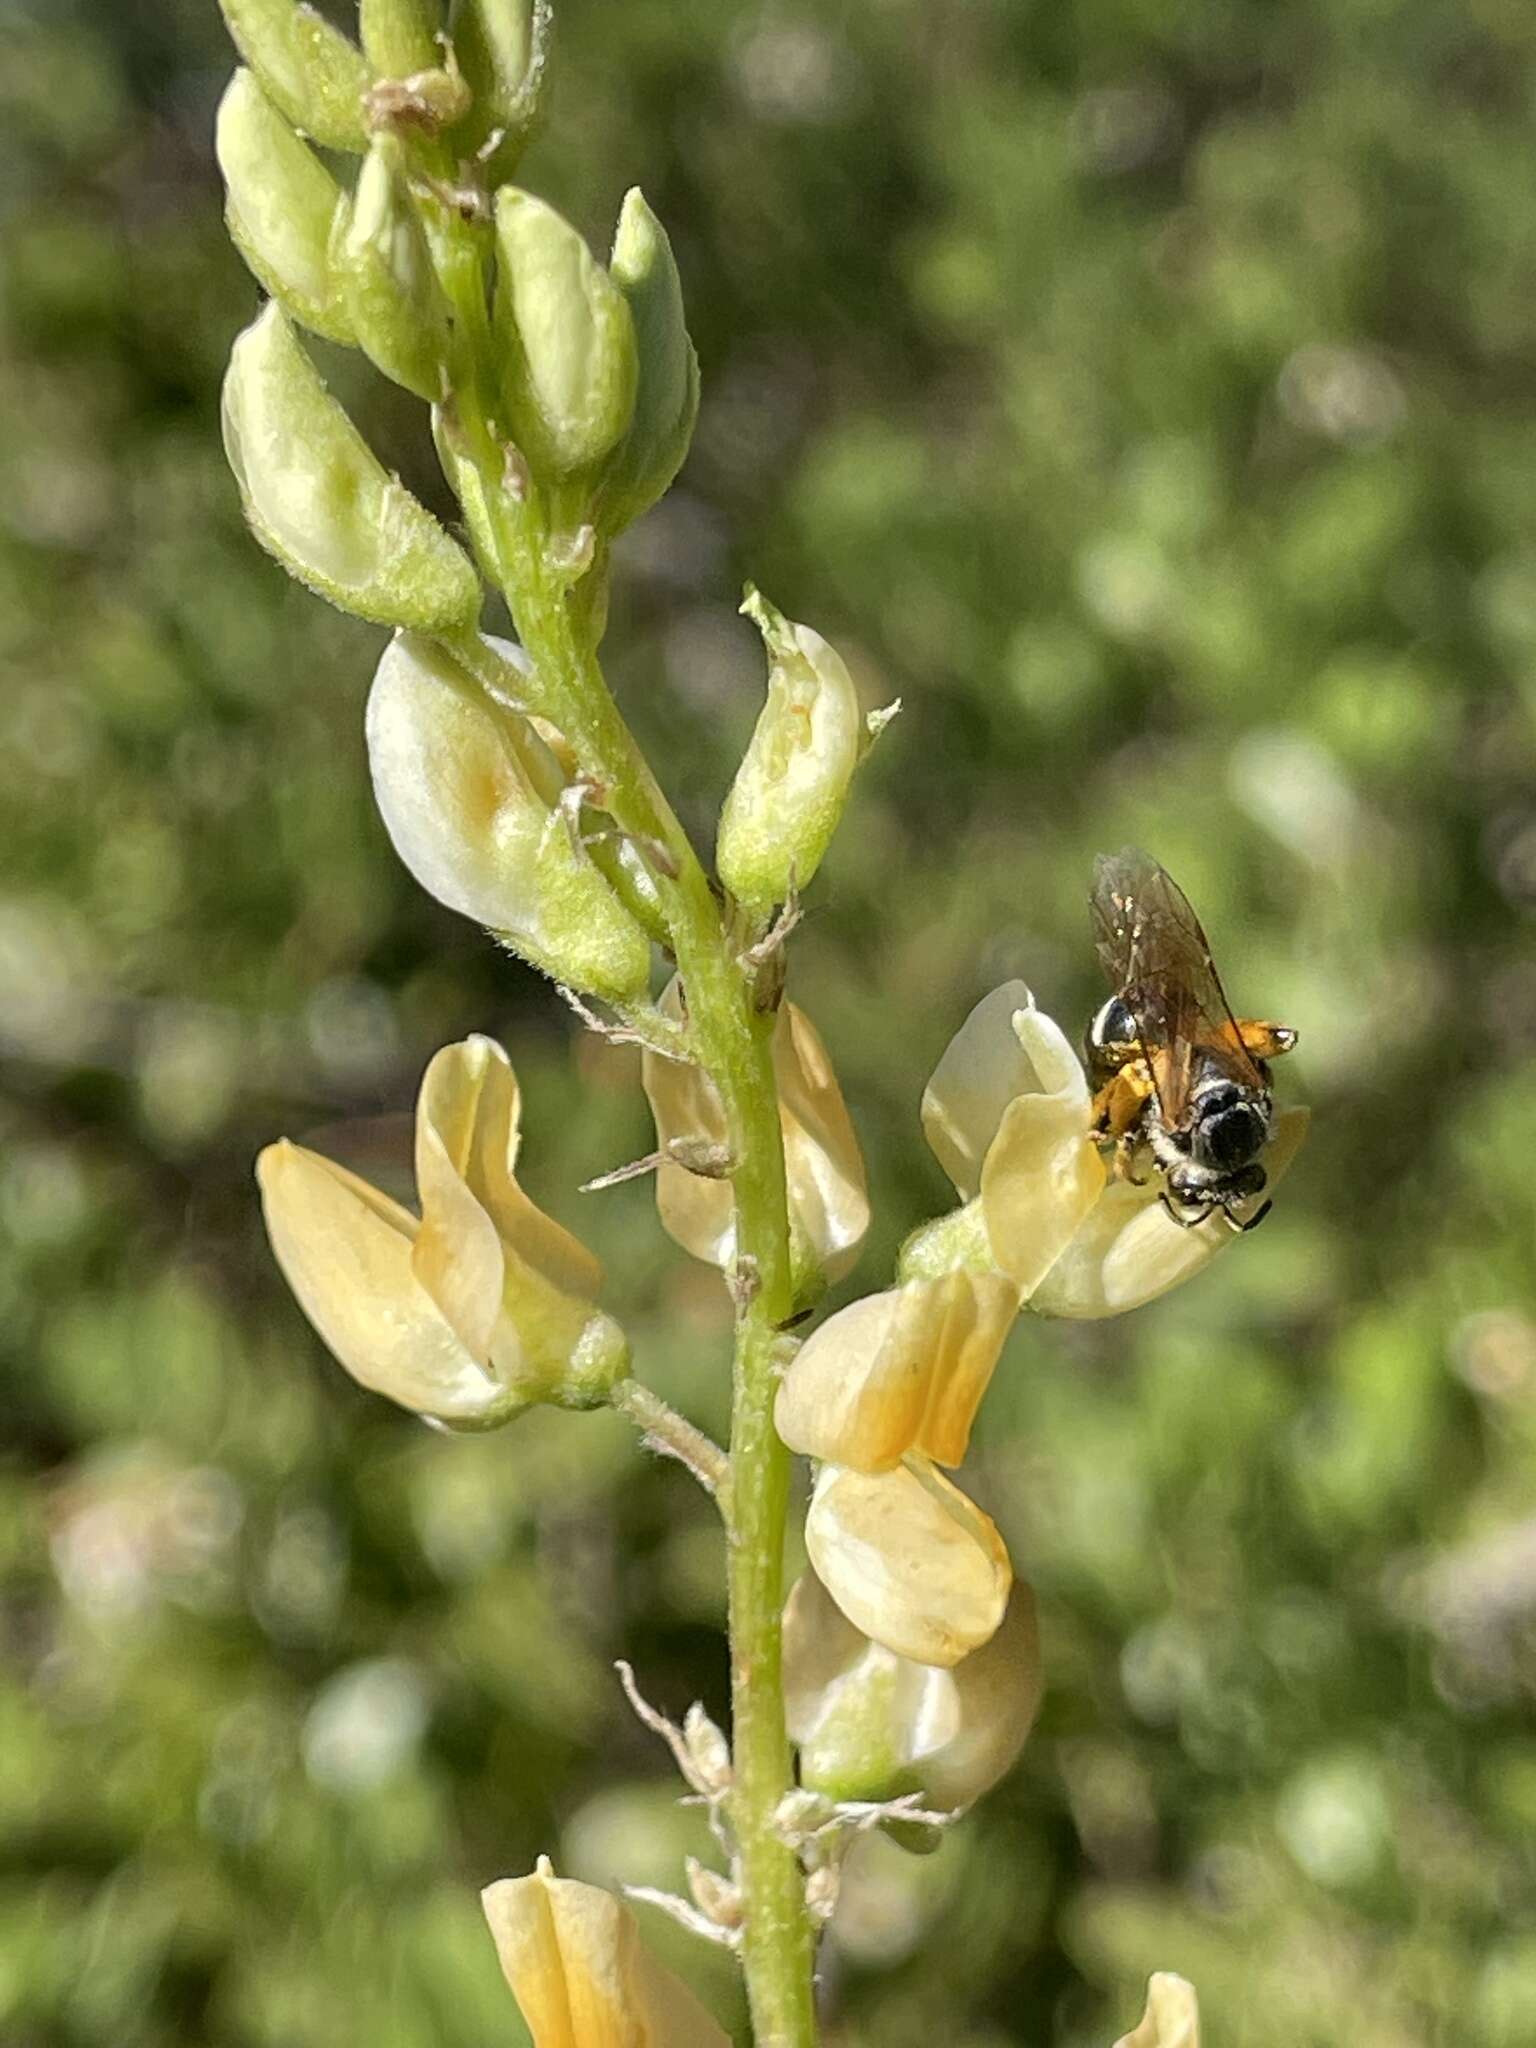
(911, 1655)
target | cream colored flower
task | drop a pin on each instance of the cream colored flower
(580, 1973)
(1008, 1114)
(897, 1372)
(872, 1725)
(476, 1310)
(911, 1561)
(828, 1195)
(1172, 2017)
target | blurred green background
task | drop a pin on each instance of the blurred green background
(1148, 396)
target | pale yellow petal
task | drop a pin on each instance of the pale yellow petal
(967, 1749)
(909, 1559)
(345, 1250)
(983, 1069)
(573, 1958)
(897, 1372)
(458, 1256)
(1172, 2017)
(1041, 1177)
(468, 1118)
(828, 1193)
(696, 1212)
(1129, 1250)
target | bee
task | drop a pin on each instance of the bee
(1176, 1075)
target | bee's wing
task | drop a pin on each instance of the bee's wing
(1158, 959)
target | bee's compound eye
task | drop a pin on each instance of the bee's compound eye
(1113, 1029)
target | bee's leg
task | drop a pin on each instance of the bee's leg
(1185, 1222)
(1265, 1041)
(1237, 1226)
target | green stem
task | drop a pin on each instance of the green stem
(734, 1044)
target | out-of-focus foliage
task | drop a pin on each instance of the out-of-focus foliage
(1146, 395)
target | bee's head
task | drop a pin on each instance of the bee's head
(1230, 1128)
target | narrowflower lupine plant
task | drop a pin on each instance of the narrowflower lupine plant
(899, 1680)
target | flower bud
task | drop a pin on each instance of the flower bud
(912, 1562)
(502, 48)
(870, 1725)
(1172, 2017)
(1129, 1250)
(667, 386)
(471, 797)
(280, 205)
(400, 36)
(582, 1977)
(790, 789)
(483, 1306)
(318, 499)
(308, 68)
(828, 1195)
(383, 267)
(568, 338)
(897, 1372)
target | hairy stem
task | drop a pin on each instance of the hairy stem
(734, 1044)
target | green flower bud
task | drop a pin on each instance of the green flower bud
(280, 206)
(310, 69)
(667, 391)
(400, 36)
(568, 337)
(473, 799)
(383, 266)
(319, 500)
(502, 48)
(791, 786)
